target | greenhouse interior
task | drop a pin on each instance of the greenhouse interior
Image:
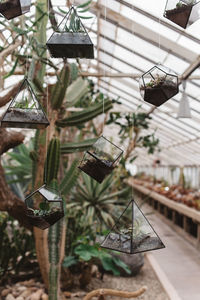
(99, 145)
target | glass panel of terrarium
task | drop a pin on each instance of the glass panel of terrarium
(105, 150)
(25, 99)
(132, 233)
(71, 23)
(50, 195)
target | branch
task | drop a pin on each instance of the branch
(9, 50)
(9, 139)
(12, 93)
(122, 294)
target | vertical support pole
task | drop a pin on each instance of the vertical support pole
(185, 224)
(198, 236)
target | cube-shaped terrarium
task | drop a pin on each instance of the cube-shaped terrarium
(132, 233)
(101, 159)
(24, 110)
(158, 85)
(14, 8)
(182, 12)
(71, 39)
(44, 207)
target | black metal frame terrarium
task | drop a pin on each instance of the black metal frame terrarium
(71, 39)
(132, 233)
(182, 12)
(158, 85)
(14, 8)
(24, 110)
(44, 207)
(101, 159)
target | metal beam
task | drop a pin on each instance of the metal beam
(129, 75)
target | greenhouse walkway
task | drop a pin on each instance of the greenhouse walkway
(178, 264)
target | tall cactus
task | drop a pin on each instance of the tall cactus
(55, 231)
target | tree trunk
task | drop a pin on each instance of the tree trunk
(9, 202)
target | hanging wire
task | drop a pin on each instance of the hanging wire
(159, 39)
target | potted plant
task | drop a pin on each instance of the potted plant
(158, 85)
(25, 110)
(132, 233)
(14, 8)
(180, 11)
(100, 160)
(44, 207)
(71, 39)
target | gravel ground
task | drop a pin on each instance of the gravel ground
(146, 277)
(34, 290)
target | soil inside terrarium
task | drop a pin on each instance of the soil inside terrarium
(46, 221)
(97, 169)
(10, 9)
(179, 15)
(25, 118)
(159, 94)
(140, 243)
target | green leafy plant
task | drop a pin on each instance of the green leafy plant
(84, 251)
(98, 203)
(17, 247)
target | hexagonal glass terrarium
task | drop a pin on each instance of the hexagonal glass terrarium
(132, 233)
(44, 207)
(101, 159)
(14, 8)
(71, 39)
(158, 85)
(182, 12)
(24, 110)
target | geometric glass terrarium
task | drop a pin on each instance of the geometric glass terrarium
(100, 160)
(158, 85)
(44, 207)
(183, 12)
(132, 233)
(71, 39)
(14, 8)
(24, 110)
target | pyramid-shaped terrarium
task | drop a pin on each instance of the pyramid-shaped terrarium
(158, 85)
(183, 12)
(14, 8)
(71, 40)
(24, 110)
(44, 207)
(101, 159)
(132, 233)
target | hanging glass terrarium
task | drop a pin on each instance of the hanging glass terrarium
(101, 159)
(44, 207)
(71, 39)
(132, 233)
(14, 8)
(182, 12)
(158, 85)
(24, 110)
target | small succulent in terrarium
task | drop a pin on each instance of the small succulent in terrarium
(25, 104)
